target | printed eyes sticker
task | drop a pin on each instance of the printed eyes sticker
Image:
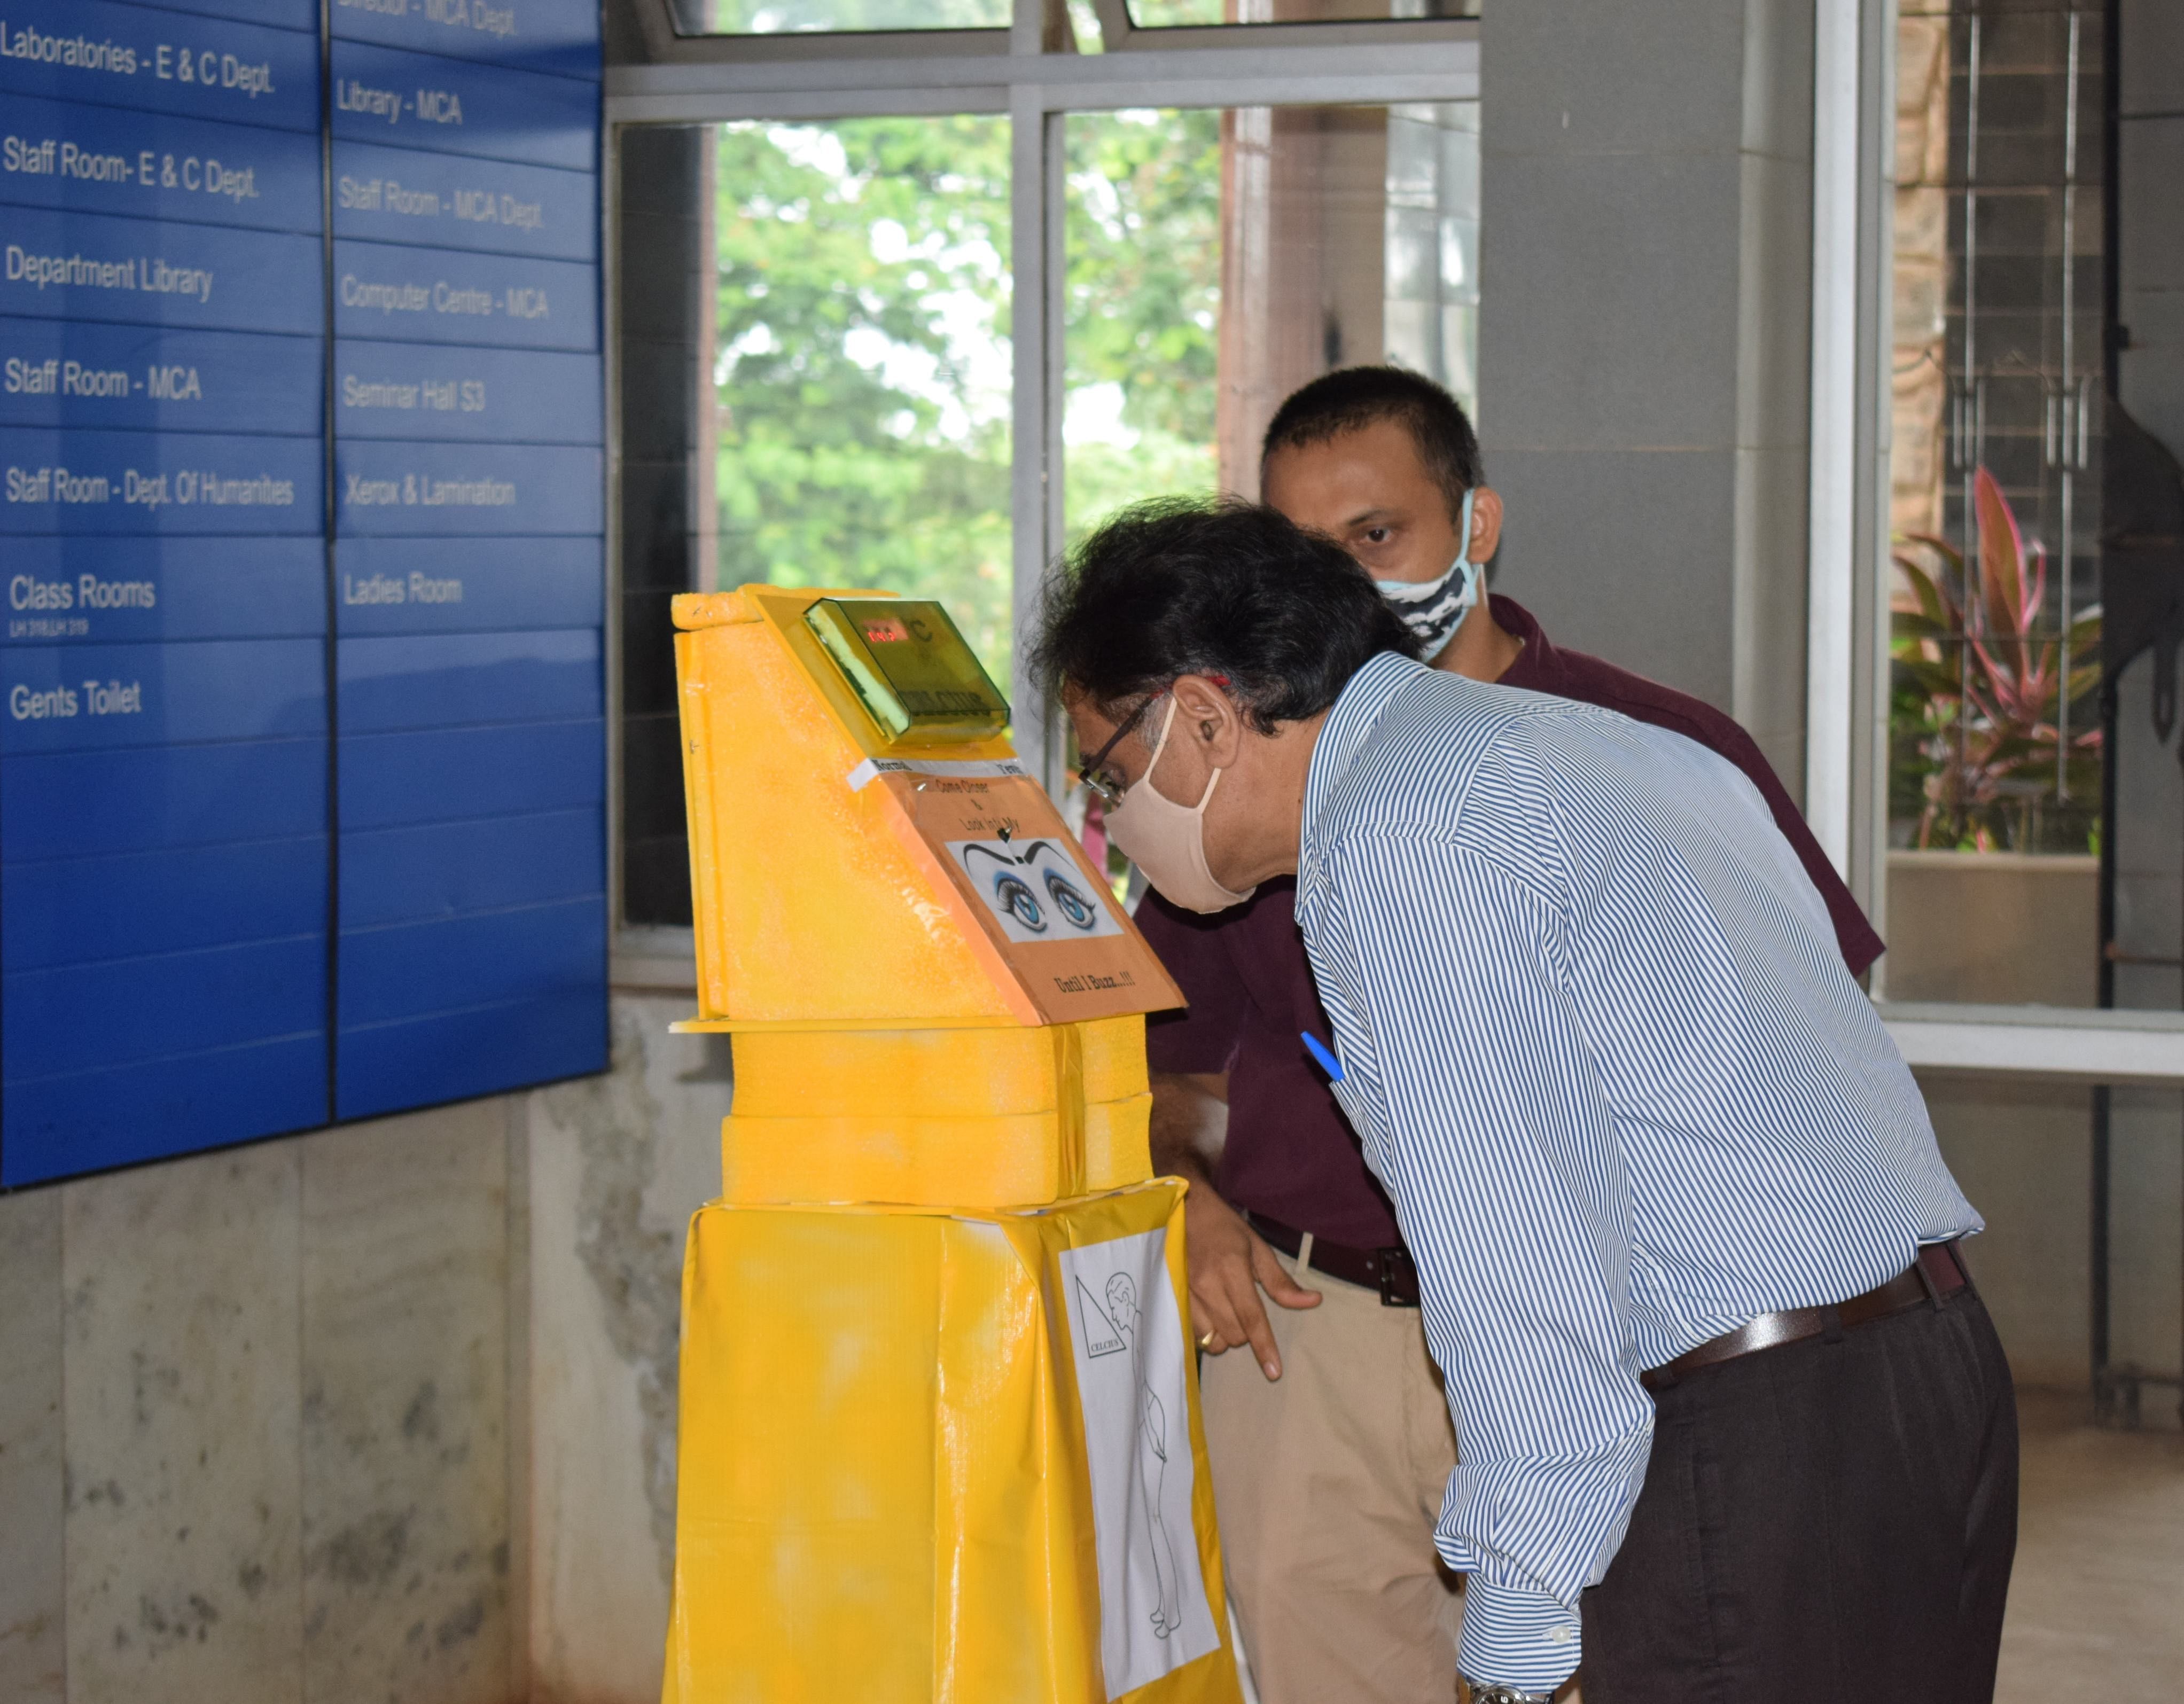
(1074, 907)
(1010, 894)
(1026, 885)
(1008, 872)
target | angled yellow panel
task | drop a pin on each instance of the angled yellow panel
(828, 863)
(805, 899)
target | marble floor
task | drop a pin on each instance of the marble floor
(2097, 1603)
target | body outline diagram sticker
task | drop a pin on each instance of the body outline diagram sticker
(1127, 1341)
(1036, 890)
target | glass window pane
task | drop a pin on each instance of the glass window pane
(1995, 875)
(1169, 15)
(862, 369)
(1144, 295)
(1219, 259)
(787, 17)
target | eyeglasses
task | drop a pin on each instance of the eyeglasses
(1107, 786)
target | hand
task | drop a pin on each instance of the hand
(1229, 1263)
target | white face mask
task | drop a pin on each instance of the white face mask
(1432, 610)
(1168, 840)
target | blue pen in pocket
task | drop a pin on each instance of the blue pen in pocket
(1324, 1054)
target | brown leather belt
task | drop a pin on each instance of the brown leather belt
(1939, 1270)
(1389, 1271)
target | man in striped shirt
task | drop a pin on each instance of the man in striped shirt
(1328, 1431)
(1732, 1421)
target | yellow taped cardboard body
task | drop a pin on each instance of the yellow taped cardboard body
(944, 1457)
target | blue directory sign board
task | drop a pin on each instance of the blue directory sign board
(135, 482)
(449, 296)
(302, 762)
(446, 106)
(148, 272)
(459, 201)
(492, 396)
(561, 36)
(160, 60)
(468, 527)
(79, 373)
(146, 165)
(394, 585)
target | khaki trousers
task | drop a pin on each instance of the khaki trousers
(1328, 1484)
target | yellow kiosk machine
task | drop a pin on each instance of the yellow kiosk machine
(939, 1434)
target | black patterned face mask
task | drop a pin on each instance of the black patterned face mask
(1432, 610)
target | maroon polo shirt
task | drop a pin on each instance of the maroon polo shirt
(1290, 1154)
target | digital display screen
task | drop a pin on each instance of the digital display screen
(910, 668)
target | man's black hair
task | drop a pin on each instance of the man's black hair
(1352, 399)
(1187, 586)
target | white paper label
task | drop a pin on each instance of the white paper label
(1036, 890)
(985, 769)
(1126, 1331)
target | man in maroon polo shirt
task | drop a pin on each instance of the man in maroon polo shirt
(1329, 1435)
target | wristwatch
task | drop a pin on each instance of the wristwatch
(1475, 1693)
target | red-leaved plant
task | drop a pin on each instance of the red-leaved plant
(1976, 694)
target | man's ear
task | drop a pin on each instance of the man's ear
(1485, 523)
(1209, 718)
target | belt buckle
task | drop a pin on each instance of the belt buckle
(1389, 1266)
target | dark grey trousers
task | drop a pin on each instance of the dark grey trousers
(1823, 1521)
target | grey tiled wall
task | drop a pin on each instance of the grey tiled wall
(1645, 245)
(254, 1442)
(381, 1413)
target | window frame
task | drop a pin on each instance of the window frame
(665, 43)
(1024, 73)
(1032, 72)
(1848, 604)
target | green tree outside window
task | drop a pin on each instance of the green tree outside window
(862, 376)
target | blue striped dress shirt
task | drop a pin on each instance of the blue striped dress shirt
(1602, 1050)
